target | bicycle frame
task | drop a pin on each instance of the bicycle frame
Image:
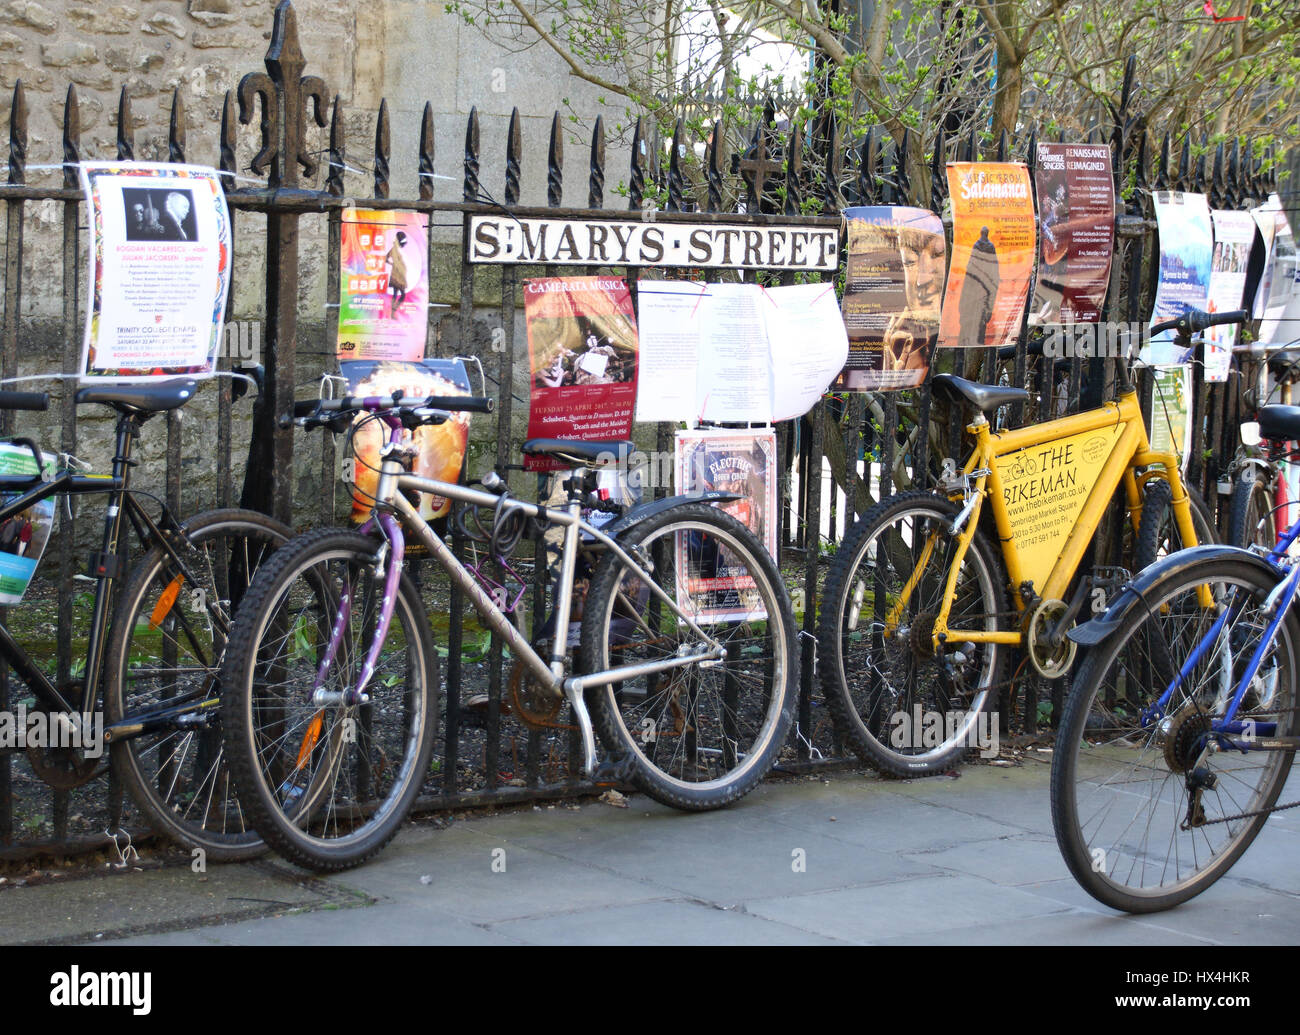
(394, 515)
(1130, 451)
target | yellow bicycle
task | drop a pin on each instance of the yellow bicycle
(921, 613)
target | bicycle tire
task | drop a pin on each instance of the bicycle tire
(699, 738)
(1158, 534)
(327, 786)
(177, 773)
(1251, 518)
(1118, 783)
(865, 702)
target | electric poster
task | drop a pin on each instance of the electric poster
(994, 243)
(441, 447)
(1076, 203)
(159, 270)
(582, 349)
(1044, 488)
(892, 293)
(743, 463)
(1186, 251)
(383, 285)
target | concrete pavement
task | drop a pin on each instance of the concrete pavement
(836, 859)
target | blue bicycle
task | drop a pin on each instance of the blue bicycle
(1181, 726)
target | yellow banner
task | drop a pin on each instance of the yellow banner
(1044, 488)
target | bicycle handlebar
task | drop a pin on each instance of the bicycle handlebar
(24, 400)
(1194, 321)
(466, 403)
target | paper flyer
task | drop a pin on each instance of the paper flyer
(442, 446)
(582, 349)
(892, 292)
(1186, 250)
(23, 536)
(1233, 234)
(736, 352)
(994, 244)
(1171, 412)
(159, 270)
(1076, 203)
(1277, 291)
(727, 461)
(383, 285)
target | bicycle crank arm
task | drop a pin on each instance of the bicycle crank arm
(124, 729)
(579, 706)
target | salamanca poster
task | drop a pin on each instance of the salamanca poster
(993, 248)
(582, 350)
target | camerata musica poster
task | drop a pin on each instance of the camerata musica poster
(159, 270)
(726, 461)
(383, 285)
(993, 247)
(892, 292)
(1076, 209)
(582, 350)
(1186, 249)
(441, 446)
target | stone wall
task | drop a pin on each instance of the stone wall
(408, 52)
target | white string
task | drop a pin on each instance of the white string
(482, 376)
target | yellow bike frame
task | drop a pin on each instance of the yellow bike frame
(1131, 461)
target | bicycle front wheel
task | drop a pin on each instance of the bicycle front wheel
(1150, 808)
(905, 706)
(161, 668)
(702, 735)
(1252, 520)
(328, 782)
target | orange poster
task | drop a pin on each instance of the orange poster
(993, 249)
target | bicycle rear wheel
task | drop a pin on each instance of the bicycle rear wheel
(328, 784)
(699, 736)
(1131, 823)
(163, 656)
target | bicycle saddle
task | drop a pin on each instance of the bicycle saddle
(141, 399)
(581, 454)
(1283, 364)
(983, 397)
(1279, 422)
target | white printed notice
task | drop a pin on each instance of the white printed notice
(736, 352)
(160, 270)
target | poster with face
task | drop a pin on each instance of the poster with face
(994, 244)
(1186, 251)
(442, 447)
(159, 270)
(1076, 205)
(1275, 302)
(383, 285)
(582, 348)
(892, 292)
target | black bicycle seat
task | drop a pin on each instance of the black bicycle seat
(581, 454)
(141, 398)
(1280, 422)
(983, 397)
(1284, 364)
